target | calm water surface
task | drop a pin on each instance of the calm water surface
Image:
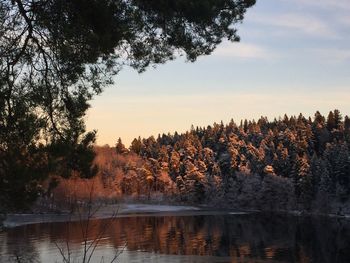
(190, 238)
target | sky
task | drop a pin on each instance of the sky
(293, 57)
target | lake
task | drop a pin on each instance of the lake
(212, 237)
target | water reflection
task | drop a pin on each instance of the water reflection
(209, 238)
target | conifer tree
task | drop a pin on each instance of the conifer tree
(120, 147)
(136, 145)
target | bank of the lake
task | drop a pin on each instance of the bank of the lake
(139, 209)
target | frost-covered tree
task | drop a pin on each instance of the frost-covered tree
(293, 162)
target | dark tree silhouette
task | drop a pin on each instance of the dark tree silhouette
(120, 147)
(55, 55)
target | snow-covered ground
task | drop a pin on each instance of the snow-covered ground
(121, 210)
(132, 208)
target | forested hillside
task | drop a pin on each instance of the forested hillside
(285, 164)
(290, 162)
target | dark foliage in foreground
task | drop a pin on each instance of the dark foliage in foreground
(55, 55)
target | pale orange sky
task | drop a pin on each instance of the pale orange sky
(126, 117)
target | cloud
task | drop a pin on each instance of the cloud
(303, 23)
(335, 4)
(242, 50)
(344, 20)
(333, 55)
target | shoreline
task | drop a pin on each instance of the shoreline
(110, 211)
(138, 209)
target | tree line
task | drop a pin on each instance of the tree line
(285, 164)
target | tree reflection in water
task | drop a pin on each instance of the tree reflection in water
(237, 238)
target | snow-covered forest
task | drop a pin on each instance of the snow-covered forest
(290, 163)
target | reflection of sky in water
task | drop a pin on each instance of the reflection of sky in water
(209, 238)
